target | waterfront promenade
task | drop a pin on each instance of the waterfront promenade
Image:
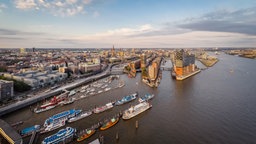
(31, 100)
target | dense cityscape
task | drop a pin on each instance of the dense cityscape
(127, 72)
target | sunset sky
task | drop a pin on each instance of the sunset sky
(127, 23)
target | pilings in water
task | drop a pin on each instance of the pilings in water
(137, 124)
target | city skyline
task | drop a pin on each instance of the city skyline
(127, 24)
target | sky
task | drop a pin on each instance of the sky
(127, 23)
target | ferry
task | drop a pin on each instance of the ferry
(61, 136)
(54, 125)
(103, 108)
(61, 116)
(39, 110)
(110, 123)
(135, 110)
(127, 99)
(80, 116)
(86, 135)
(29, 130)
(146, 97)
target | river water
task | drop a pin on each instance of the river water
(218, 105)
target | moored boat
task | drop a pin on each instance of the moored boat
(146, 97)
(114, 120)
(86, 134)
(135, 110)
(54, 125)
(39, 110)
(61, 116)
(61, 136)
(127, 99)
(103, 108)
(80, 116)
(29, 130)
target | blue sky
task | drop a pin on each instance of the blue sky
(127, 23)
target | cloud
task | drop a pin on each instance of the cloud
(2, 6)
(25, 4)
(56, 7)
(238, 21)
(17, 32)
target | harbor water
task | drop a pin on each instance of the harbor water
(214, 106)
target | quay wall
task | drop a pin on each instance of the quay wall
(29, 101)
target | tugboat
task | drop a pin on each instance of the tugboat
(146, 97)
(87, 133)
(61, 136)
(127, 99)
(135, 110)
(110, 122)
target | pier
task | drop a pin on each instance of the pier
(29, 101)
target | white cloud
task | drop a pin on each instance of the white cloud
(2, 6)
(128, 31)
(71, 1)
(55, 7)
(25, 4)
(60, 4)
(87, 1)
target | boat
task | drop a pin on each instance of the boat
(103, 108)
(68, 101)
(61, 136)
(61, 116)
(100, 91)
(54, 125)
(39, 110)
(135, 110)
(80, 116)
(107, 89)
(86, 134)
(127, 99)
(71, 93)
(146, 97)
(29, 130)
(110, 123)
(53, 102)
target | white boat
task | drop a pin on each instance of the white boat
(107, 89)
(63, 116)
(100, 91)
(55, 125)
(80, 116)
(43, 109)
(103, 108)
(146, 97)
(60, 137)
(135, 110)
(71, 93)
